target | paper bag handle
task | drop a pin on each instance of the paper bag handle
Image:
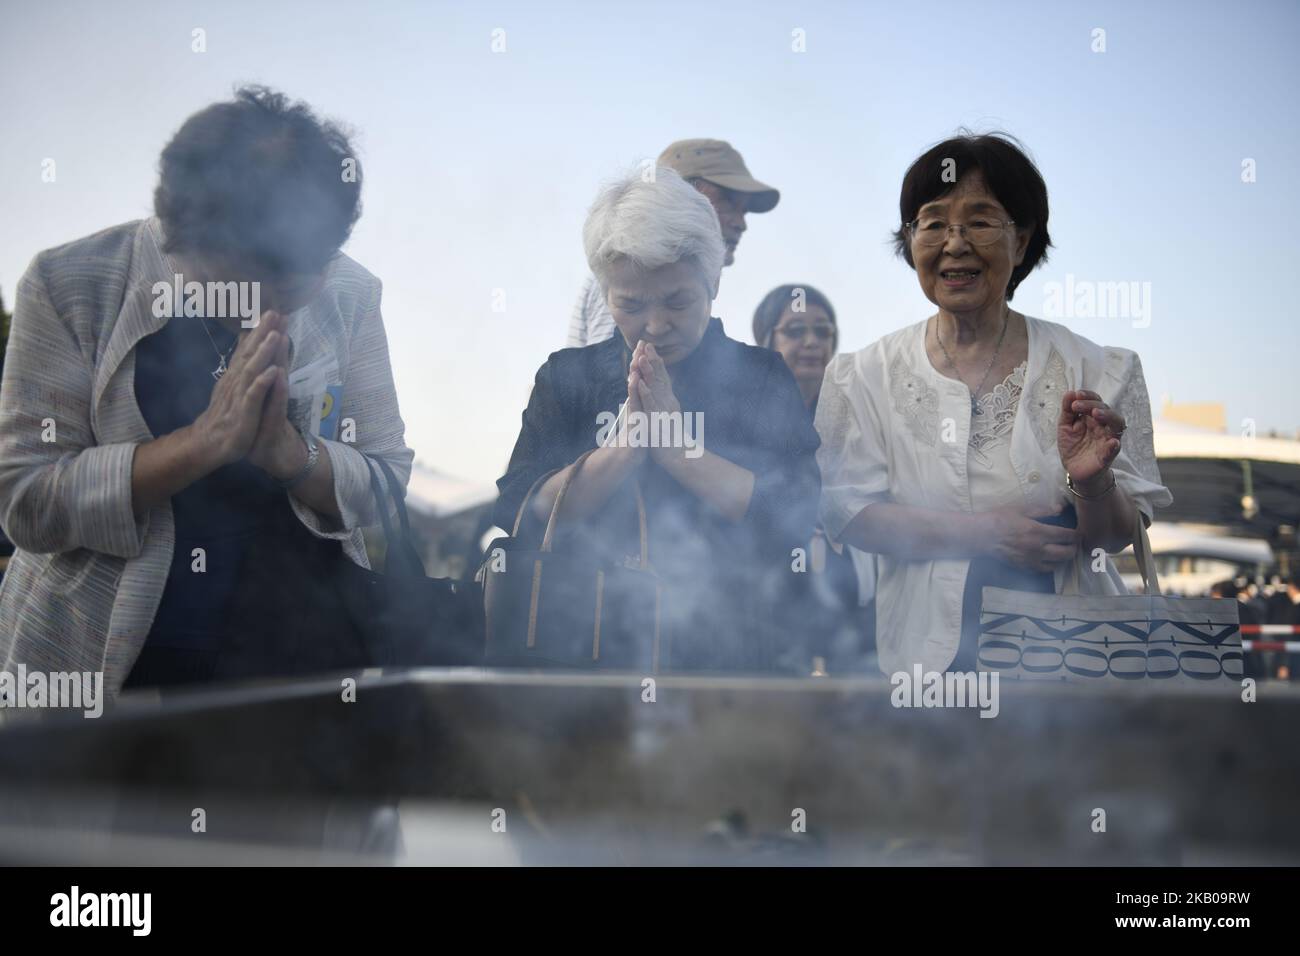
(1141, 552)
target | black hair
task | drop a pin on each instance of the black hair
(774, 304)
(1010, 174)
(259, 181)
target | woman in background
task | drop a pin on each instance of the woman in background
(798, 322)
(832, 607)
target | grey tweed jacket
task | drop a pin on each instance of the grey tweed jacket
(82, 588)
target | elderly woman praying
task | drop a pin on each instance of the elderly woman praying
(728, 503)
(180, 521)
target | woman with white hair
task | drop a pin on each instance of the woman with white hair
(727, 503)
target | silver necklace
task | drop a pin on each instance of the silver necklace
(222, 359)
(974, 395)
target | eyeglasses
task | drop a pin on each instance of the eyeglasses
(932, 231)
(796, 331)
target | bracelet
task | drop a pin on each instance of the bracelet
(1069, 483)
(313, 456)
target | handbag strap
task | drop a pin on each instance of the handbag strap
(1141, 553)
(402, 544)
(523, 505)
(381, 503)
(397, 493)
(549, 536)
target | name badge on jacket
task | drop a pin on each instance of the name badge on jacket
(312, 400)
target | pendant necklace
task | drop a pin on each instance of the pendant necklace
(974, 395)
(222, 358)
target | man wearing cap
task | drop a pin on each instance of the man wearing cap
(715, 169)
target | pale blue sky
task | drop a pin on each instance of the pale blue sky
(480, 166)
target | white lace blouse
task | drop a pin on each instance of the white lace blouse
(894, 429)
(988, 448)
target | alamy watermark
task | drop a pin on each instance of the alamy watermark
(951, 689)
(652, 430)
(71, 690)
(1086, 299)
(130, 910)
(213, 300)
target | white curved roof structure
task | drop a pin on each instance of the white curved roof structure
(1176, 440)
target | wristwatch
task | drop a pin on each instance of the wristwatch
(313, 456)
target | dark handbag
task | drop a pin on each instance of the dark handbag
(405, 618)
(550, 609)
(322, 612)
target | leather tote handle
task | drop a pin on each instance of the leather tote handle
(549, 536)
(519, 515)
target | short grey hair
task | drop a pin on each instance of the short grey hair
(653, 221)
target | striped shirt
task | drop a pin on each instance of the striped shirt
(592, 321)
(83, 586)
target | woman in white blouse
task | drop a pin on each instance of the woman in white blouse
(980, 446)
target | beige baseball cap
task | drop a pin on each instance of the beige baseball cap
(719, 163)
